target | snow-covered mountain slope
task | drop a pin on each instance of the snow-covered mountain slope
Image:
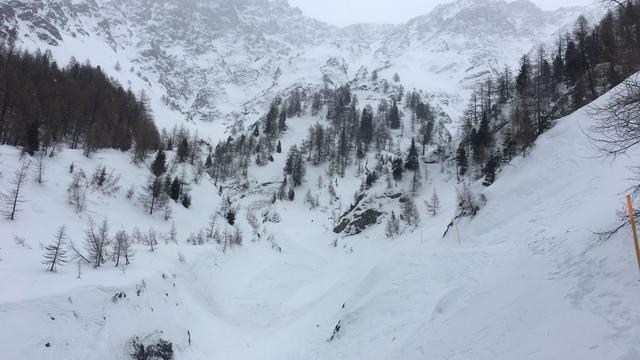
(524, 279)
(212, 59)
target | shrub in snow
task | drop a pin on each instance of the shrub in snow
(336, 330)
(77, 191)
(253, 221)
(311, 200)
(159, 349)
(271, 217)
(186, 200)
(371, 179)
(433, 206)
(231, 217)
(392, 227)
(105, 181)
(467, 201)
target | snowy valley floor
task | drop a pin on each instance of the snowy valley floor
(527, 280)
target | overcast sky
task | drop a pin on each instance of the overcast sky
(345, 12)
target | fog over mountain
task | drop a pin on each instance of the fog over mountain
(389, 11)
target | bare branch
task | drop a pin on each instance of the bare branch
(617, 128)
(608, 4)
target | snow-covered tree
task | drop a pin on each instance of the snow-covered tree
(490, 170)
(183, 150)
(392, 227)
(409, 212)
(412, 162)
(311, 200)
(159, 164)
(295, 165)
(396, 169)
(415, 182)
(175, 190)
(394, 117)
(282, 121)
(467, 202)
(270, 121)
(433, 205)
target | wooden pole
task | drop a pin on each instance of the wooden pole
(633, 229)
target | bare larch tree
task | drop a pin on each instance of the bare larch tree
(13, 197)
(55, 253)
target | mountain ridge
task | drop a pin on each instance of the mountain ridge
(206, 60)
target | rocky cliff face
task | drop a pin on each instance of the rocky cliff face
(207, 59)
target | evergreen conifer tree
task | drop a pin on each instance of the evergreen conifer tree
(394, 117)
(33, 139)
(159, 164)
(412, 162)
(282, 121)
(183, 150)
(396, 168)
(186, 200)
(462, 160)
(176, 189)
(490, 170)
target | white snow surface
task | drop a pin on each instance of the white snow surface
(524, 279)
